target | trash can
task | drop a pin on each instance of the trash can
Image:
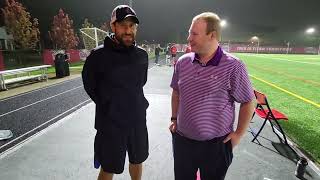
(61, 65)
(66, 65)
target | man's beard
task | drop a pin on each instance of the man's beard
(120, 39)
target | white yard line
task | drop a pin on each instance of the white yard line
(282, 59)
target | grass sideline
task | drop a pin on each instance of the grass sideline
(300, 75)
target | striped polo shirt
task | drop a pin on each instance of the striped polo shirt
(207, 94)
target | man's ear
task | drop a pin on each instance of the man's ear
(213, 35)
(112, 25)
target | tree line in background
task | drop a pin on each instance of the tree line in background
(25, 29)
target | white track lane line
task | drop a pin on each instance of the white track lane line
(39, 101)
(19, 145)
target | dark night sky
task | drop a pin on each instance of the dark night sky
(169, 20)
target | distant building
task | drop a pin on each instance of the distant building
(6, 40)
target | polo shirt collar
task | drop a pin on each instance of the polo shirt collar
(214, 61)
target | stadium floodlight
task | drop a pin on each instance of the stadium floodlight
(256, 39)
(223, 23)
(310, 30)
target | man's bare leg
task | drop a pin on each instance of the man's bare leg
(135, 171)
(104, 175)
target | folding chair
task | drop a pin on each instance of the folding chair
(272, 115)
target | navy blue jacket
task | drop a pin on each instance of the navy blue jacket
(113, 76)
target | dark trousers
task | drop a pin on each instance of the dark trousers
(212, 158)
(157, 59)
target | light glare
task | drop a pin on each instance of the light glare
(310, 30)
(223, 23)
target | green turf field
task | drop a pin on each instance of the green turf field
(292, 84)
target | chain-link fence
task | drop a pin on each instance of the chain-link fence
(21, 58)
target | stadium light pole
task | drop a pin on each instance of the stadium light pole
(310, 31)
(223, 24)
(255, 38)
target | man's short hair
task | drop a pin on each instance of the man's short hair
(213, 22)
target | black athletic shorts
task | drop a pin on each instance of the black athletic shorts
(110, 148)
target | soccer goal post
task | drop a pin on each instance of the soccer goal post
(92, 37)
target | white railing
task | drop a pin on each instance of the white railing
(22, 74)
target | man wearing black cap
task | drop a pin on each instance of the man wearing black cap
(113, 76)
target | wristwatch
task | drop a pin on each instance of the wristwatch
(173, 118)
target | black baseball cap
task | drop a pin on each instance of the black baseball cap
(121, 12)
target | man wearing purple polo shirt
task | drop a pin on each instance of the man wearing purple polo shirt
(206, 84)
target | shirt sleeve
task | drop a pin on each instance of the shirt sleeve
(89, 77)
(175, 77)
(241, 88)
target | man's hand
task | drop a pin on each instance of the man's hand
(234, 137)
(173, 126)
(245, 114)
